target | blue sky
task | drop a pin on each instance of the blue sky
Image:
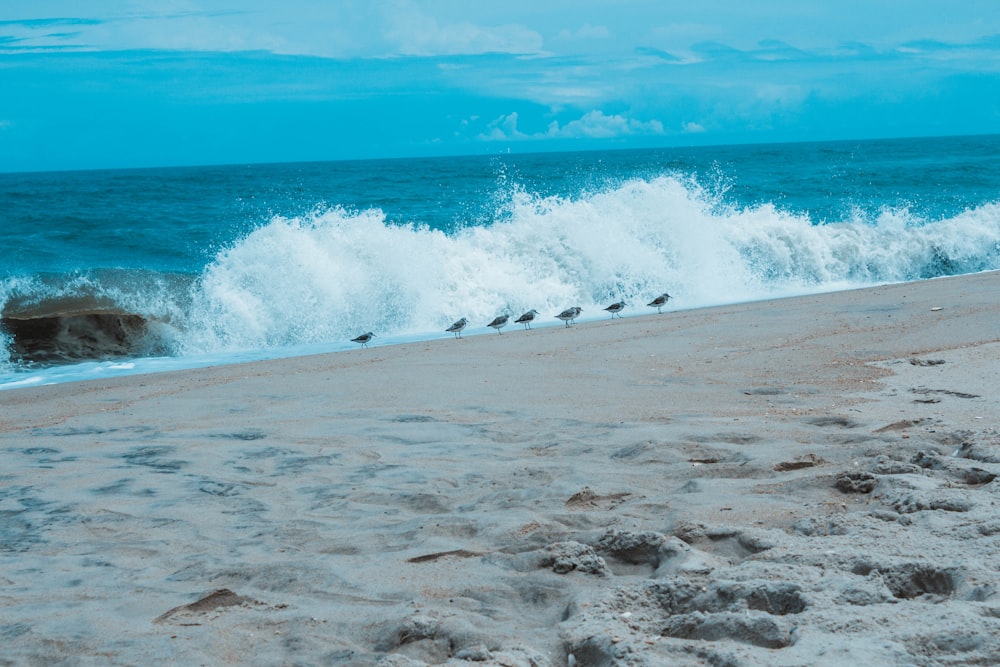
(177, 82)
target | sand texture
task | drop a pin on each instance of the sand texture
(807, 481)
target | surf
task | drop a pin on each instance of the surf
(334, 273)
(53, 319)
(316, 278)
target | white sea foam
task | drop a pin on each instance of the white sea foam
(311, 283)
(335, 273)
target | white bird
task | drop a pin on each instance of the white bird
(659, 302)
(363, 339)
(457, 327)
(527, 318)
(616, 309)
(499, 322)
(570, 314)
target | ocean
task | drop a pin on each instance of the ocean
(105, 273)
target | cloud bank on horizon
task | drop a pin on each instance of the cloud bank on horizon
(111, 84)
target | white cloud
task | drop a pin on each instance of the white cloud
(504, 128)
(592, 125)
(587, 31)
(693, 128)
(414, 33)
(596, 125)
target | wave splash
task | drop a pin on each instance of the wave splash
(334, 273)
(101, 314)
(331, 274)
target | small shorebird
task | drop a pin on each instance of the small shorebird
(526, 318)
(499, 322)
(616, 309)
(457, 327)
(570, 314)
(659, 302)
(363, 339)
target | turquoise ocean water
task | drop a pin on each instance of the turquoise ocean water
(110, 272)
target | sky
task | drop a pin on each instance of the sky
(110, 84)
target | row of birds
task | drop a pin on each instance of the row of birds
(527, 318)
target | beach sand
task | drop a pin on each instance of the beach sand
(803, 481)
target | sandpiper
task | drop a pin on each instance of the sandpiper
(527, 318)
(659, 302)
(363, 339)
(570, 314)
(457, 327)
(616, 309)
(499, 322)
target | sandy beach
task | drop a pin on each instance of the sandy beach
(804, 481)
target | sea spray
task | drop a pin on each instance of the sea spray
(333, 273)
(189, 266)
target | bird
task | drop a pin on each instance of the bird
(457, 327)
(499, 322)
(570, 314)
(363, 339)
(659, 302)
(527, 318)
(616, 309)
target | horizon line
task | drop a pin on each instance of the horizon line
(498, 153)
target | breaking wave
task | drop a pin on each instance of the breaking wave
(330, 274)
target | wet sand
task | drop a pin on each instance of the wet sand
(798, 481)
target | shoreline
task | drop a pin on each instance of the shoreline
(809, 479)
(129, 367)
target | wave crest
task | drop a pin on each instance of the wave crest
(328, 275)
(333, 273)
(104, 314)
